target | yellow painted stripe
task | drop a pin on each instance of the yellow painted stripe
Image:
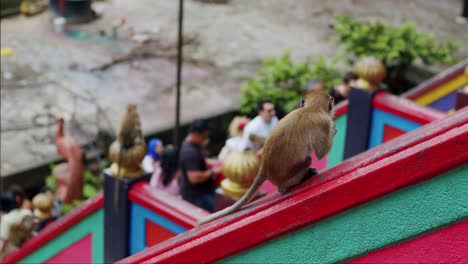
(443, 90)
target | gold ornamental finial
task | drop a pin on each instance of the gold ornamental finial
(240, 169)
(371, 72)
(128, 151)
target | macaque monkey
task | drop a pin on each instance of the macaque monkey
(130, 133)
(286, 153)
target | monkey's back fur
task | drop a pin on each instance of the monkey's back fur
(285, 149)
(286, 153)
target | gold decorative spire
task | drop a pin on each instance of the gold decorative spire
(371, 72)
(128, 151)
(240, 169)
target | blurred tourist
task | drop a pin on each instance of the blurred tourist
(197, 176)
(261, 126)
(234, 143)
(16, 227)
(311, 86)
(14, 198)
(166, 175)
(155, 149)
(341, 92)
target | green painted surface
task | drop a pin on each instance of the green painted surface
(92, 224)
(336, 153)
(398, 216)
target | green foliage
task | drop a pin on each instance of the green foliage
(92, 185)
(67, 208)
(283, 81)
(394, 46)
(326, 72)
(51, 182)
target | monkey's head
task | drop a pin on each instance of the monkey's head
(320, 101)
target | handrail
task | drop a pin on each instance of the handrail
(412, 156)
(406, 108)
(55, 229)
(341, 108)
(435, 81)
(416, 156)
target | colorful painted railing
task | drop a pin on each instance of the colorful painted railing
(336, 153)
(440, 91)
(156, 216)
(391, 117)
(394, 116)
(398, 192)
(151, 217)
(75, 238)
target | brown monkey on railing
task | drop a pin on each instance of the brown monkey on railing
(286, 154)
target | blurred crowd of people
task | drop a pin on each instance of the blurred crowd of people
(188, 174)
(22, 218)
(193, 176)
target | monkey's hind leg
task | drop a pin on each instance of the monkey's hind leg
(299, 173)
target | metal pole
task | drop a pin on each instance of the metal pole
(179, 73)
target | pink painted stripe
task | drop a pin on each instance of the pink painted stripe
(79, 252)
(448, 245)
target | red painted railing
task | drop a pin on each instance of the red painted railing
(414, 157)
(406, 109)
(341, 108)
(55, 229)
(173, 208)
(432, 83)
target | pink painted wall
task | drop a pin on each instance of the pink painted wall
(78, 252)
(448, 245)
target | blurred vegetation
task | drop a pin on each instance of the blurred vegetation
(283, 81)
(92, 185)
(398, 47)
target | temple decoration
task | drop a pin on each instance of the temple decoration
(371, 72)
(69, 174)
(43, 206)
(129, 149)
(240, 169)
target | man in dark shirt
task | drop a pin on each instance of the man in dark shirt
(197, 178)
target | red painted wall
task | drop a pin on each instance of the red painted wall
(448, 245)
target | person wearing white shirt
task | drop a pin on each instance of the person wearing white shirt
(261, 125)
(234, 143)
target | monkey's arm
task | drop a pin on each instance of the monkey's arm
(322, 140)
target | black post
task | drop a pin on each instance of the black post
(179, 73)
(465, 9)
(116, 219)
(358, 122)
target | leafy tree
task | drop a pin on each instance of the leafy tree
(283, 81)
(398, 47)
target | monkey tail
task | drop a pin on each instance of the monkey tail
(249, 195)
